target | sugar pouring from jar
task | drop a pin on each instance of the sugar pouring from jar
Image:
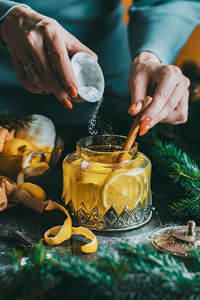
(89, 77)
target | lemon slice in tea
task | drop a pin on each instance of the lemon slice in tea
(123, 189)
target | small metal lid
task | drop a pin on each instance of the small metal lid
(177, 240)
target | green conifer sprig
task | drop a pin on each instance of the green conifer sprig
(13, 120)
(182, 169)
(187, 207)
(123, 273)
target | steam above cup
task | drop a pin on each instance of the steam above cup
(89, 77)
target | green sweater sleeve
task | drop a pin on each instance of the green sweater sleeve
(162, 27)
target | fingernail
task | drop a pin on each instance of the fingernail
(73, 91)
(144, 130)
(132, 108)
(67, 104)
(144, 122)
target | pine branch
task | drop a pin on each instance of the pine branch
(123, 273)
(186, 207)
(176, 164)
(13, 120)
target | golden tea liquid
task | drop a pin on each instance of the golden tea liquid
(102, 194)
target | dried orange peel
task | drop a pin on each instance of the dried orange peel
(34, 170)
(90, 247)
(31, 196)
(59, 234)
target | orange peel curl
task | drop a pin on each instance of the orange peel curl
(58, 234)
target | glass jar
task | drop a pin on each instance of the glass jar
(103, 194)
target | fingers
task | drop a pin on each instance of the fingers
(175, 111)
(28, 85)
(135, 107)
(180, 114)
(167, 81)
(25, 58)
(23, 80)
(60, 59)
(170, 105)
(33, 76)
(47, 73)
(138, 88)
(171, 89)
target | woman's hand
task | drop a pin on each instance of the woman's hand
(166, 84)
(40, 49)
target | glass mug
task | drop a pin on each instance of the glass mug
(103, 194)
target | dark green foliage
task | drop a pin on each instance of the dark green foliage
(192, 71)
(175, 163)
(123, 273)
(13, 120)
(178, 164)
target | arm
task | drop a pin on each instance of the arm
(157, 32)
(5, 8)
(162, 27)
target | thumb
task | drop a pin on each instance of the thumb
(138, 88)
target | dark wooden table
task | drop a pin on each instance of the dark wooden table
(34, 225)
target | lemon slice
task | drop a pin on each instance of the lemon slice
(123, 189)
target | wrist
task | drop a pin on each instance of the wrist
(146, 57)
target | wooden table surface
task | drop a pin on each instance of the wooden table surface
(34, 225)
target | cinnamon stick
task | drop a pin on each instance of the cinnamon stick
(134, 130)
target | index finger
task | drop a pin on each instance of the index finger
(60, 59)
(166, 83)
